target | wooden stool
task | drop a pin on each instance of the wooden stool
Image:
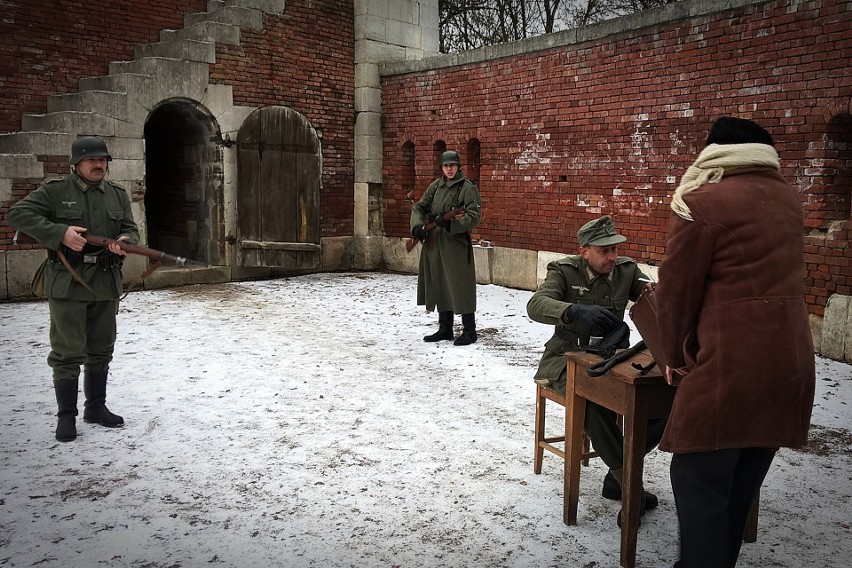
(542, 395)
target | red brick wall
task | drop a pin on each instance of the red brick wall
(47, 46)
(303, 59)
(609, 126)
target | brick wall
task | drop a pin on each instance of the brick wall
(303, 59)
(608, 126)
(47, 46)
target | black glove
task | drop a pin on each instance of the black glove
(441, 222)
(419, 233)
(593, 316)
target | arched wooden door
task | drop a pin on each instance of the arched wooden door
(280, 166)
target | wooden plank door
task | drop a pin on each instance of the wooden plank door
(280, 165)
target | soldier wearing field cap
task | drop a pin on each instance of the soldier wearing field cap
(584, 296)
(82, 316)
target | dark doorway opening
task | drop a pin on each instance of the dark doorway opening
(184, 182)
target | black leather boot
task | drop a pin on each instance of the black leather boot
(96, 412)
(445, 328)
(66, 400)
(468, 334)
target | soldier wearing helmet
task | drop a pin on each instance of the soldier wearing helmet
(82, 318)
(442, 221)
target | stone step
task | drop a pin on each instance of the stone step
(143, 89)
(105, 102)
(174, 77)
(205, 31)
(159, 66)
(186, 49)
(69, 121)
(271, 6)
(37, 143)
(248, 18)
(20, 166)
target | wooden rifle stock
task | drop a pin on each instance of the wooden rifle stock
(412, 242)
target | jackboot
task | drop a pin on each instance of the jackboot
(95, 411)
(445, 328)
(468, 334)
(66, 400)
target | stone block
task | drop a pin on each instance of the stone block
(186, 49)
(248, 18)
(20, 166)
(837, 329)
(38, 143)
(368, 99)
(483, 258)
(20, 267)
(367, 253)
(514, 268)
(398, 259)
(336, 253)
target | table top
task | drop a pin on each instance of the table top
(624, 371)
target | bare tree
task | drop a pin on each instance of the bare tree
(469, 24)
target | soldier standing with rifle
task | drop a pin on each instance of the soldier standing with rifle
(442, 221)
(82, 317)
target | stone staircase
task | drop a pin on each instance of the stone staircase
(116, 106)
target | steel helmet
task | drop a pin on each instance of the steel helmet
(450, 157)
(88, 147)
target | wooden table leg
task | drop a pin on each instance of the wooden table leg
(635, 431)
(575, 415)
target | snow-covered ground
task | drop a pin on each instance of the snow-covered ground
(304, 422)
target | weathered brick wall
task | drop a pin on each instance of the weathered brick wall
(608, 126)
(303, 58)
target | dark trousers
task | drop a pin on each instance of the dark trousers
(713, 493)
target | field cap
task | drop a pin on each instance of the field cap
(600, 232)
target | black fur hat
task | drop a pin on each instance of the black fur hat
(731, 130)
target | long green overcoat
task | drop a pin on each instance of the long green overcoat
(447, 275)
(46, 213)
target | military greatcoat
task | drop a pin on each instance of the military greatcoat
(447, 276)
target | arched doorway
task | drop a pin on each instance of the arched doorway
(184, 182)
(280, 167)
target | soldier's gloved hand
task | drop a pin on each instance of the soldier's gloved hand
(592, 316)
(441, 222)
(419, 233)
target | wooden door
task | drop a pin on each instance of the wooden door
(279, 165)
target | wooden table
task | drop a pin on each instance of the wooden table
(636, 397)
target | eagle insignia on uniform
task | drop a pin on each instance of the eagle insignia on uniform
(580, 289)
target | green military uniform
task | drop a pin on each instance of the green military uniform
(571, 280)
(82, 323)
(447, 276)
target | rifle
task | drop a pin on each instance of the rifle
(158, 255)
(456, 212)
(154, 254)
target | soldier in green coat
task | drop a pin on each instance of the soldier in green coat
(447, 276)
(82, 321)
(585, 296)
